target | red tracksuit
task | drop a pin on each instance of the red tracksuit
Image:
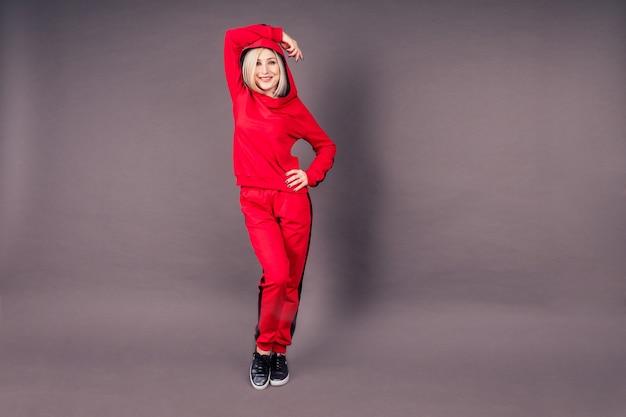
(277, 218)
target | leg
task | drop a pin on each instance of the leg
(294, 213)
(267, 241)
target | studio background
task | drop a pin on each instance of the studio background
(468, 246)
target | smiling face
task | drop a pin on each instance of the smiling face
(267, 72)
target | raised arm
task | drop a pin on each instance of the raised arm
(235, 41)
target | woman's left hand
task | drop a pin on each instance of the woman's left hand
(296, 179)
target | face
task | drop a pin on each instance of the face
(267, 72)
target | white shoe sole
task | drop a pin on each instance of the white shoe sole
(279, 383)
(259, 387)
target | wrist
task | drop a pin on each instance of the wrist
(277, 34)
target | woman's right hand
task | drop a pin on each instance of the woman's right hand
(291, 46)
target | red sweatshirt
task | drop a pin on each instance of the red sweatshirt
(266, 128)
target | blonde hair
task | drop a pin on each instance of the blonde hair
(248, 67)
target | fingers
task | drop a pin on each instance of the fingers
(294, 52)
(298, 55)
(296, 179)
(291, 46)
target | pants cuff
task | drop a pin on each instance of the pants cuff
(279, 349)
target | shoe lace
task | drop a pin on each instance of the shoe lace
(279, 362)
(260, 364)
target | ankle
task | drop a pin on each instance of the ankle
(263, 352)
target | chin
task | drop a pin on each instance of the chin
(267, 89)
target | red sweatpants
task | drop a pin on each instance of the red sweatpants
(279, 224)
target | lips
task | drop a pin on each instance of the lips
(267, 83)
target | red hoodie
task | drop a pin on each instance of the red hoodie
(266, 128)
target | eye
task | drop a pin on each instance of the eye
(272, 62)
(258, 63)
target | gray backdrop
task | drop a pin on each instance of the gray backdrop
(468, 246)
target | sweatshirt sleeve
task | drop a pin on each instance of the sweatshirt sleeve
(324, 148)
(235, 41)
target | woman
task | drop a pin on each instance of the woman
(269, 119)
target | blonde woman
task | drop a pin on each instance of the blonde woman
(269, 118)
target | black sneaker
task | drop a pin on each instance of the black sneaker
(260, 371)
(279, 373)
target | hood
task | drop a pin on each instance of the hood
(270, 44)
